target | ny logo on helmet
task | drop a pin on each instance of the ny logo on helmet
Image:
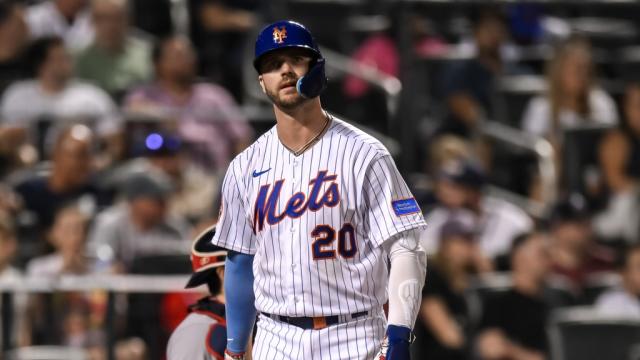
(279, 34)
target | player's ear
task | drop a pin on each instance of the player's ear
(261, 81)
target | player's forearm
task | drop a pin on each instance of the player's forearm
(240, 308)
(408, 269)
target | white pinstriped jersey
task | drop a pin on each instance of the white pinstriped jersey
(315, 221)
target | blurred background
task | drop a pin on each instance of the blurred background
(516, 124)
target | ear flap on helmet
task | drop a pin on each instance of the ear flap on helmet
(314, 82)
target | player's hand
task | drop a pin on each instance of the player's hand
(395, 345)
(233, 356)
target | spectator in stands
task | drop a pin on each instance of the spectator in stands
(195, 191)
(13, 39)
(70, 178)
(208, 119)
(625, 300)
(572, 98)
(116, 60)
(574, 253)
(68, 236)
(444, 327)
(460, 188)
(470, 85)
(514, 323)
(620, 164)
(139, 228)
(54, 94)
(68, 19)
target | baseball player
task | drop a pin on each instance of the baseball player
(202, 334)
(312, 214)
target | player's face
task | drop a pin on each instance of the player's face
(279, 72)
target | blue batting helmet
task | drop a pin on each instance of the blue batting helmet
(281, 35)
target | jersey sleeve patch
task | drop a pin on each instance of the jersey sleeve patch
(405, 206)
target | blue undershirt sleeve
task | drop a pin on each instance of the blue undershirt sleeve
(240, 307)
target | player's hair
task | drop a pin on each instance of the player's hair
(39, 50)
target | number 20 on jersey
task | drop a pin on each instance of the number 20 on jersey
(323, 247)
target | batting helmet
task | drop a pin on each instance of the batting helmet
(205, 257)
(290, 34)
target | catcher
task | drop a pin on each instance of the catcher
(202, 335)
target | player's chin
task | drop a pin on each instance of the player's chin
(288, 101)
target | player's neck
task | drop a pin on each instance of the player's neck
(299, 126)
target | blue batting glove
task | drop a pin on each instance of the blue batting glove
(396, 344)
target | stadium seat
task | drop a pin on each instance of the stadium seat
(582, 333)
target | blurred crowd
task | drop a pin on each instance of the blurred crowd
(117, 123)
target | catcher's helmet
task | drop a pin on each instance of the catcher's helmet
(290, 34)
(205, 257)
